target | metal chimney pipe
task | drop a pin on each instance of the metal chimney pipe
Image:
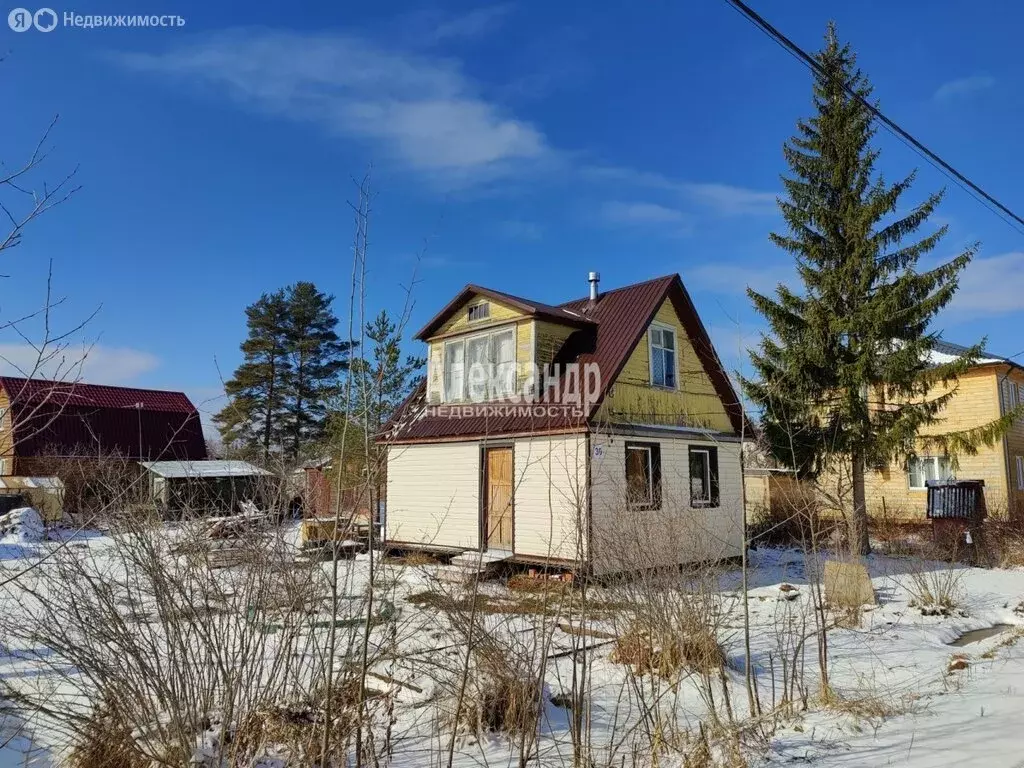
(593, 278)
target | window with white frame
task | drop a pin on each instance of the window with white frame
(663, 356)
(1020, 473)
(478, 312)
(4, 467)
(454, 370)
(921, 469)
(3, 419)
(703, 476)
(643, 475)
(480, 367)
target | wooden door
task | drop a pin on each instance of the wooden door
(498, 498)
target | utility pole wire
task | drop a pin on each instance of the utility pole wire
(801, 55)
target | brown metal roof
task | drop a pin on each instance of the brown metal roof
(58, 418)
(617, 322)
(533, 308)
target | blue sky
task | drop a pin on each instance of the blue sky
(515, 145)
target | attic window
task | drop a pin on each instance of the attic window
(663, 356)
(479, 312)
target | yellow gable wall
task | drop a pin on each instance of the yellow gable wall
(695, 403)
(550, 338)
(459, 321)
(458, 325)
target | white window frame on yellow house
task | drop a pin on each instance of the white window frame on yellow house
(937, 471)
(464, 342)
(475, 305)
(1020, 473)
(663, 328)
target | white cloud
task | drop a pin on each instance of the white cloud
(721, 199)
(992, 286)
(641, 213)
(420, 109)
(474, 24)
(963, 86)
(96, 364)
(729, 200)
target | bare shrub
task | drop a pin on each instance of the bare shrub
(667, 649)
(499, 698)
(1003, 543)
(105, 741)
(164, 642)
(936, 590)
(296, 728)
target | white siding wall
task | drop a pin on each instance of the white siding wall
(624, 539)
(550, 496)
(434, 494)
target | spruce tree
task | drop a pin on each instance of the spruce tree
(317, 360)
(844, 378)
(252, 420)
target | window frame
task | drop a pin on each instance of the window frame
(490, 334)
(653, 450)
(711, 477)
(445, 395)
(1020, 473)
(664, 328)
(486, 305)
(938, 474)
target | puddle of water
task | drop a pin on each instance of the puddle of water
(977, 635)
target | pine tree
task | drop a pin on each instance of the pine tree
(381, 383)
(844, 377)
(293, 361)
(252, 419)
(317, 359)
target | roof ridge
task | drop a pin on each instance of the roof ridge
(642, 283)
(90, 384)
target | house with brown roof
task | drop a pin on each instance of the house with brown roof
(602, 433)
(41, 421)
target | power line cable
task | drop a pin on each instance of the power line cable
(948, 170)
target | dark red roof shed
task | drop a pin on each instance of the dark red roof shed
(57, 418)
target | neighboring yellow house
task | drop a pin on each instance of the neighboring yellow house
(989, 390)
(602, 433)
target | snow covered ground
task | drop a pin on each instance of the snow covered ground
(898, 701)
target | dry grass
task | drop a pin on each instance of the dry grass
(1004, 543)
(936, 591)
(298, 727)
(658, 649)
(500, 694)
(105, 741)
(524, 582)
(871, 707)
(414, 559)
